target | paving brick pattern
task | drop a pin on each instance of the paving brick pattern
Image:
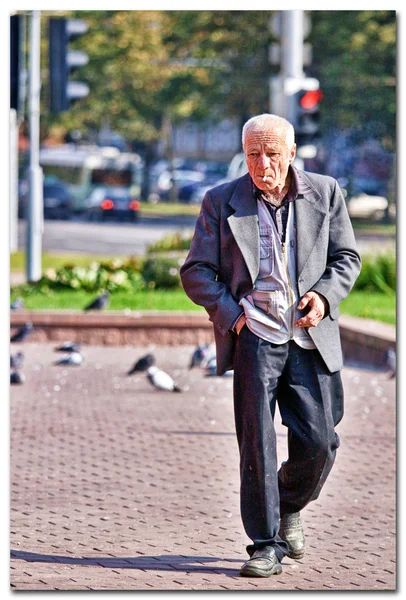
(116, 486)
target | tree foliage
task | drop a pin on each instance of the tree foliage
(149, 64)
(354, 56)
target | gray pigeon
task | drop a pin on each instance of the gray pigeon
(161, 380)
(200, 355)
(211, 372)
(17, 377)
(68, 347)
(100, 302)
(391, 362)
(211, 367)
(209, 356)
(18, 304)
(16, 360)
(142, 364)
(22, 333)
(74, 358)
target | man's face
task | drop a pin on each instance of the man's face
(267, 155)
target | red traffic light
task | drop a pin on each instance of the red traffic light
(311, 98)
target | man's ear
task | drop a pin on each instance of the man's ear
(292, 154)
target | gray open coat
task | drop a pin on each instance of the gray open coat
(223, 261)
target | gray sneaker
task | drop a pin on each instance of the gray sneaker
(291, 531)
(263, 563)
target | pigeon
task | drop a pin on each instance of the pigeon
(210, 356)
(391, 362)
(161, 380)
(211, 372)
(211, 364)
(68, 347)
(142, 364)
(17, 377)
(16, 360)
(211, 368)
(74, 358)
(200, 355)
(100, 302)
(22, 333)
(18, 304)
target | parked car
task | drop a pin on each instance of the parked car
(235, 169)
(199, 192)
(161, 189)
(117, 202)
(364, 206)
(57, 200)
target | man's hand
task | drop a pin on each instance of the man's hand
(240, 324)
(317, 306)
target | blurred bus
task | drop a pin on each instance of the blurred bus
(84, 169)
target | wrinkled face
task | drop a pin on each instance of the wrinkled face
(268, 155)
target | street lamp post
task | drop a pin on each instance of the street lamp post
(35, 213)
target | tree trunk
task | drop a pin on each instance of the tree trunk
(150, 155)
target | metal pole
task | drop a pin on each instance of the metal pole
(35, 220)
(23, 73)
(292, 53)
(13, 191)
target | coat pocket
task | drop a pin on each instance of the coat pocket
(266, 244)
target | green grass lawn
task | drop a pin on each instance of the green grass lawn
(366, 305)
(370, 305)
(142, 300)
(371, 228)
(55, 261)
(169, 209)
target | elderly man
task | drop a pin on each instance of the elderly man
(272, 257)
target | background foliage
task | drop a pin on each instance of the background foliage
(143, 71)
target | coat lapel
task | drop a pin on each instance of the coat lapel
(244, 224)
(310, 215)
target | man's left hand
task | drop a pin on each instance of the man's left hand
(317, 306)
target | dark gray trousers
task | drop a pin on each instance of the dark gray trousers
(310, 401)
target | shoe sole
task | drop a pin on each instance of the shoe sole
(296, 556)
(249, 571)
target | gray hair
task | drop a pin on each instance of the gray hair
(268, 121)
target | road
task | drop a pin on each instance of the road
(116, 238)
(113, 237)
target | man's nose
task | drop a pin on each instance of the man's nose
(263, 161)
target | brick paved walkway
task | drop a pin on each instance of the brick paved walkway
(115, 486)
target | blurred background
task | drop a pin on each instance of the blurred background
(140, 112)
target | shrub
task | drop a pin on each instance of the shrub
(113, 276)
(177, 241)
(387, 267)
(378, 274)
(162, 272)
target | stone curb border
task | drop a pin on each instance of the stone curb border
(362, 339)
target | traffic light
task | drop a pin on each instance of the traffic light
(15, 61)
(63, 61)
(307, 111)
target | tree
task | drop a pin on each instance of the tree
(354, 56)
(148, 68)
(237, 44)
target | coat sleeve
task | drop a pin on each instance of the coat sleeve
(201, 267)
(343, 260)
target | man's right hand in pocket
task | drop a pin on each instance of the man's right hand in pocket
(240, 324)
